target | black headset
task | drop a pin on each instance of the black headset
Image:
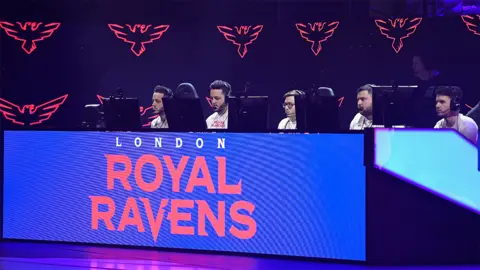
(456, 101)
(295, 93)
(298, 93)
(229, 93)
(168, 92)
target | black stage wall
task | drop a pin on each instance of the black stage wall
(84, 58)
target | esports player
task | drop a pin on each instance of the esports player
(423, 69)
(219, 91)
(290, 122)
(160, 92)
(363, 119)
(448, 103)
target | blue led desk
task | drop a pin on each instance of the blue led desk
(321, 196)
(423, 197)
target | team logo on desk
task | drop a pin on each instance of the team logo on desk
(29, 33)
(397, 30)
(143, 113)
(473, 23)
(241, 36)
(30, 114)
(138, 35)
(198, 178)
(316, 33)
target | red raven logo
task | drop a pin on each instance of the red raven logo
(30, 113)
(241, 36)
(138, 35)
(316, 33)
(29, 33)
(398, 30)
(473, 23)
(143, 112)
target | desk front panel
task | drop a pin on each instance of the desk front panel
(278, 194)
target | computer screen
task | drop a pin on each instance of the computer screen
(390, 105)
(317, 113)
(248, 114)
(184, 114)
(121, 113)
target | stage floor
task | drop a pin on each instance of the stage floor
(36, 256)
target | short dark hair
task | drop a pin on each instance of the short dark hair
(449, 91)
(223, 85)
(294, 93)
(366, 87)
(167, 92)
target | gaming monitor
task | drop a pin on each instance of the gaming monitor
(317, 113)
(248, 113)
(121, 113)
(390, 104)
(184, 114)
(93, 116)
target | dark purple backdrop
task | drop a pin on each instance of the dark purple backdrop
(83, 57)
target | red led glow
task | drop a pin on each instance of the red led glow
(209, 100)
(398, 30)
(316, 33)
(340, 101)
(138, 35)
(143, 111)
(29, 32)
(473, 23)
(468, 106)
(37, 114)
(241, 36)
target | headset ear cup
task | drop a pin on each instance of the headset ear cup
(455, 105)
(229, 93)
(459, 97)
(300, 93)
